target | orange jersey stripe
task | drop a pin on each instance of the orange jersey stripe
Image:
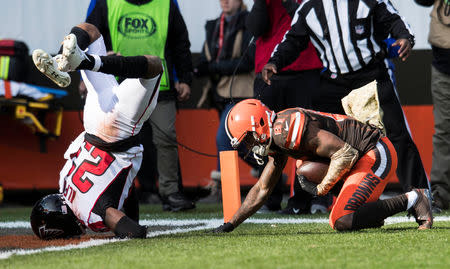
(296, 125)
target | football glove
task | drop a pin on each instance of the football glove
(224, 228)
(307, 185)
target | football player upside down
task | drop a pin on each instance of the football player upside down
(96, 182)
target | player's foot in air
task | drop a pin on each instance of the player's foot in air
(48, 66)
(422, 209)
(72, 55)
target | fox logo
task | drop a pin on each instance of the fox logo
(136, 25)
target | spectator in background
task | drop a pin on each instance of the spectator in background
(439, 38)
(353, 53)
(226, 56)
(268, 21)
(134, 27)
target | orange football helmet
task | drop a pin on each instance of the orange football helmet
(249, 116)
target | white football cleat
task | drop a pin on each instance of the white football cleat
(49, 67)
(72, 55)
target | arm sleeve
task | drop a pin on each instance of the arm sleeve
(388, 18)
(179, 45)
(258, 21)
(98, 16)
(425, 3)
(295, 41)
(341, 162)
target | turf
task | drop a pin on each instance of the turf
(13, 213)
(258, 246)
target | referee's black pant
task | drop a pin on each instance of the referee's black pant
(288, 90)
(410, 171)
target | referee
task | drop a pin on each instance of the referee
(348, 35)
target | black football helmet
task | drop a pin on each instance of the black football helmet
(51, 218)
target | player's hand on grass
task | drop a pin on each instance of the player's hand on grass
(224, 228)
(307, 185)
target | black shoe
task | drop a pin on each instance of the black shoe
(212, 198)
(264, 210)
(439, 201)
(320, 204)
(290, 210)
(177, 202)
(149, 198)
(269, 207)
(436, 210)
(272, 206)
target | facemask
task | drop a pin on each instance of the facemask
(261, 151)
(258, 159)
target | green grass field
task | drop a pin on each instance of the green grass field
(310, 245)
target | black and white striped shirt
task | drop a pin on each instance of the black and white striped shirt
(347, 34)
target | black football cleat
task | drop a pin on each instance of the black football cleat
(177, 202)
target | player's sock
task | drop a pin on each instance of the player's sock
(126, 227)
(83, 39)
(128, 67)
(93, 62)
(370, 214)
(412, 198)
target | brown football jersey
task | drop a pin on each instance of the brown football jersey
(290, 125)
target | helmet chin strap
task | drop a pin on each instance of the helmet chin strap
(262, 150)
(258, 159)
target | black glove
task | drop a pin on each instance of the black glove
(307, 185)
(224, 228)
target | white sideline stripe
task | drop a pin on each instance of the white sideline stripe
(185, 222)
(180, 230)
(86, 244)
(15, 224)
(203, 224)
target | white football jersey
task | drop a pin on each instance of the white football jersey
(112, 112)
(89, 171)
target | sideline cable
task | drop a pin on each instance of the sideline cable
(181, 144)
(236, 68)
(231, 101)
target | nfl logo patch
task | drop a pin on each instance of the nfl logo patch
(359, 29)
